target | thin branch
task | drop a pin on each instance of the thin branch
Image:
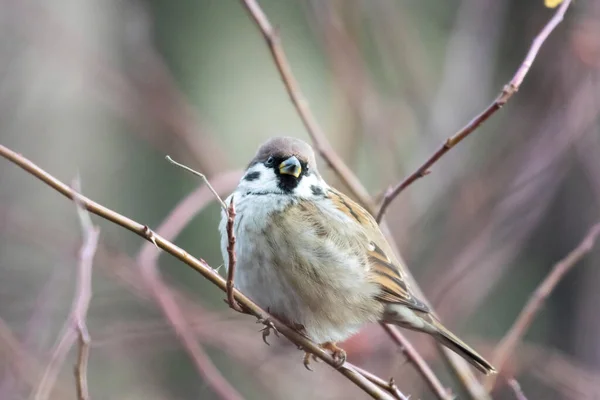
(230, 212)
(420, 364)
(75, 328)
(190, 206)
(198, 265)
(315, 132)
(203, 177)
(389, 386)
(538, 297)
(86, 256)
(507, 92)
(83, 356)
(232, 259)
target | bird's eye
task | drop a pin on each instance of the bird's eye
(270, 161)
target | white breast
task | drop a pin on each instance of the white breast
(255, 275)
(334, 298)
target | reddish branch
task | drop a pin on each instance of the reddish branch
(415, 358)
(507, 92)
(232, 259)
(319, 139)
(76, 328)
(84, 295)
(534, 304)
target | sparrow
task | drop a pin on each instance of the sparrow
(316, 259)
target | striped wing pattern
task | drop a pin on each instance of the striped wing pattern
(385, 271)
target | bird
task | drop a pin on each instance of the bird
(317, 260)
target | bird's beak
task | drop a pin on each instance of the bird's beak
(291, 166)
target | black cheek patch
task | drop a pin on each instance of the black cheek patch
(252, 176)
(316, 191)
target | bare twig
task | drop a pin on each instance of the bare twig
(81, 366)
(190, 206)
(507, 92)
(517, 389)
(198, 265)
(390, 385)
(420, 364)
(203, 177)
(75, 328)
(319, 139)
(536, 300)
(91, 234)
(232, 259)
(230, 212)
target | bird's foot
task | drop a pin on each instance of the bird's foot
(308, 357)
(338, 354)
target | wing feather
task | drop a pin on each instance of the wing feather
(385, 270)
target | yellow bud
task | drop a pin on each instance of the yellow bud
(552, 3)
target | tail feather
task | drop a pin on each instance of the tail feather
(426, 322)
(448, 339)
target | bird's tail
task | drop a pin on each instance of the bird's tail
(448, 339)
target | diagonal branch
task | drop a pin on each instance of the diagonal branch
(413, 356)
(510, 341)
(507, 92)
(315, 132)
(201, 267)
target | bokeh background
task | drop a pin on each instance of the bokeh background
(105, 89)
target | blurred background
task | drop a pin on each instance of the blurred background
(105, 89)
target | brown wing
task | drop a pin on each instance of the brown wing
(386, 271)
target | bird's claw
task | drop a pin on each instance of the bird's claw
(339, 358)
(338, 355)
(266, 330)
(308, 357)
